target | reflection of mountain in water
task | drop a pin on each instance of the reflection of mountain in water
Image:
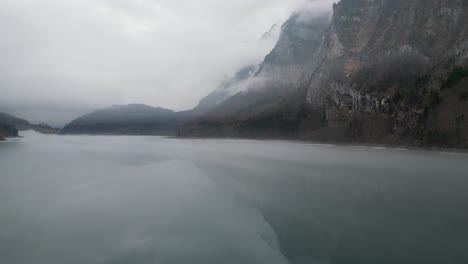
(139, 199)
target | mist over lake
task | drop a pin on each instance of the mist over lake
(234, 132)
(119, 199)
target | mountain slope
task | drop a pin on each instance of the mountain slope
(22, 124)
(384, 68)
(291, 61)
(228, 88)
(12, 120)
(381, 71)
(135, 119)
(277, 91)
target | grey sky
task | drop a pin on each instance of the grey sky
(63, 58)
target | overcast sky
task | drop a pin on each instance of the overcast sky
(63, 58)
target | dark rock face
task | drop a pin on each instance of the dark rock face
(291, 62)
(391, 60)
(381, 71)
(125, 120)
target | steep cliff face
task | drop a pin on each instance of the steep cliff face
(274, 96)
(384, 69)
(292, 61)
(378, 71)
(369, 32)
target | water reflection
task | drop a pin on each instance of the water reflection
(156, 200)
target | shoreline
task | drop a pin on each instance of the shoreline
(340, 144)
(295, 141)
(4, 139)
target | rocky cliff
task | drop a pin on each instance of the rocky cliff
(277, 88)
(394, 72)
(291, 62)
(379, 71)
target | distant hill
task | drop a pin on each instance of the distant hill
(20, 124)
(12, 120)
(133, 119)
(8, 125)
(139, 119)
(371, 71)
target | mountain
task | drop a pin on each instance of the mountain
(134, 119)
(228, 88)
(277, 88)
(394, 72)
(17, 123)
(8, 125)
(377, 71)
(291, 61)
(7, 131)
(372, 71)
(137, 119)
(12, 120)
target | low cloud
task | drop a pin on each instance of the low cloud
(78, 55)
(313, 9)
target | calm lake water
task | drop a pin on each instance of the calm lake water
(150, 200)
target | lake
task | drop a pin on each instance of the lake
(141, 200)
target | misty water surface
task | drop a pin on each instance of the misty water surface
(138, 200)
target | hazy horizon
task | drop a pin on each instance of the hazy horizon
(247, 131)
(61, 60)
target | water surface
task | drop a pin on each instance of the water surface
(138, 200)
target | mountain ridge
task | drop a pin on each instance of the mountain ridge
(132, 119)
(372, 71)
(378, 75)
(12, 124)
